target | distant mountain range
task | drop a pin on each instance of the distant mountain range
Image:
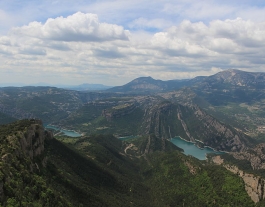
(87, 87)
(82, 87)
(224, 79)
(150, 85)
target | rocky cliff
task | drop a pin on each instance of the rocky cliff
(167, 119)
(22, 147)
(254, 185)
(255, 156)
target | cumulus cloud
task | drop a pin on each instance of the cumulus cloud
(77, 27)
(219, 37)
(4, 40)
(80, 47)
(4, 51)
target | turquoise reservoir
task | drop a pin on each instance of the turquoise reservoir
(66, 132)
(191, 149)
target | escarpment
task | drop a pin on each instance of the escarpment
(254, 185)
(217, 134)
(32, 143)
(22, 152)
(255, 156)
(167, 120)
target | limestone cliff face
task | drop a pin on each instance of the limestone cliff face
(255, 156)
(28, 142)
(254, 185)
(167, 120)
(22, 147)
(156, 120)
(225, 137)
(32, 143)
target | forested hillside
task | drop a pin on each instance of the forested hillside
(98, 170)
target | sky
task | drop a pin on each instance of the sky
(70, 42)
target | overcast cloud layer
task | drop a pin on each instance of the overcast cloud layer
(113, 42)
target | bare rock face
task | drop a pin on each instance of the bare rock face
(225, 135)
(255, 156)
(254, 185)
(24, 143)
(32, 141)
(29, 142)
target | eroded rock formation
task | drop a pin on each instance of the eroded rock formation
(254, 185)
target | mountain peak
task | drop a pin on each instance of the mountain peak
(238, 78)
(143, 79)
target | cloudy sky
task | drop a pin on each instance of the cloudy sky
(112, 42)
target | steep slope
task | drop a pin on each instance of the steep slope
(162, 116)
(192, 123)
(22, 160)
(37, 170)
(167, 177)
(236, 97)
(254, 179)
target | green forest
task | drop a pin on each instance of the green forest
(101, 170)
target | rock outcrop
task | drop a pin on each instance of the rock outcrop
(254, 185)
(255, 156)
(23, 144)
(36, 135)
(167, 119)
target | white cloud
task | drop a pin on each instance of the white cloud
(4, 40)
(79, 48)
(77, 27)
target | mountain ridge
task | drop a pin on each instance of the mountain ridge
(232, 76)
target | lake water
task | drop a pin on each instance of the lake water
(69, 133)
(191, 149)
(127, 137)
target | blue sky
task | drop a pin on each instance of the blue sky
(113, 42)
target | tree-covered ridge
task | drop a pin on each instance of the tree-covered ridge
(21, 182)
(179, 180)
(101, 170)
(168, 177)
